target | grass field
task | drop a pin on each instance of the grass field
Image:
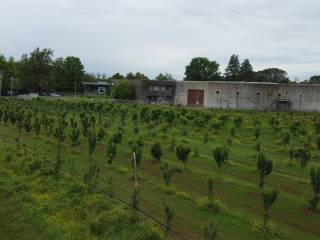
(235, 185)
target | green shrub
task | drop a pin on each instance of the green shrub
(124, 90)
(210, 205)
(267, 232)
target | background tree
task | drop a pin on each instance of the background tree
(268, 199)
(111, 151)
(34, 71)
(264, 167)
(74, 72)
(124, 90)
(156, 151)
(117, 76)
(246, 71)
(182, 153)
(59, 134)
(202, 69)
(169, 213)
(91, 178)
(140, 76)
(220, 155)
(210, 232)
(303, 156)
(313, 80)
(315, 182)
(75, 133)
(167, 173)
(274, 75)
(130, 76)
(233, 69)
(92, 142)
(165, 77)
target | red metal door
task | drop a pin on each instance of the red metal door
(195, 98)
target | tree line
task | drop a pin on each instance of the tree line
(39, 72)
(203, 69)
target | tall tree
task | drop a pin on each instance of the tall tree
(130, 75)
(165, 77)
(264, 167)
(140, 76)
(34, 71)
(117, 76)
(268, 199)
(246, 71)
(274, 75)
(74, 72)
(202, 69)
(233, 69)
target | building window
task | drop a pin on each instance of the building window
(154, 88)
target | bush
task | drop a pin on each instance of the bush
(171, 190)
(124, 90)
(267, 232)
(119, 224)
(210, 205)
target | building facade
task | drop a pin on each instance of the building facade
(246, 95)
(231, 95)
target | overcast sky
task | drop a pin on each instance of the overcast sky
(153, 36)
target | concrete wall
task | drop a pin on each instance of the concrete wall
(259, 96)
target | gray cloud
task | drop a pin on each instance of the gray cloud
(155, 36)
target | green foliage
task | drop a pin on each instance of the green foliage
(202, 69)
(156, 151)
(75, 133)
(91, 178)
(59, 134)
(209, 205)
(233, 69)
(167, 173)
(117, 137)
(220, 155)
(257, 133)
(169, 213)
(315, 183)
(92, 142)
(101, 134)
(303, 156)
(205, 138)
(111, 151)
(182, 153)
(210, 232)
(124, 90)
(264, 167)
(268, 199)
